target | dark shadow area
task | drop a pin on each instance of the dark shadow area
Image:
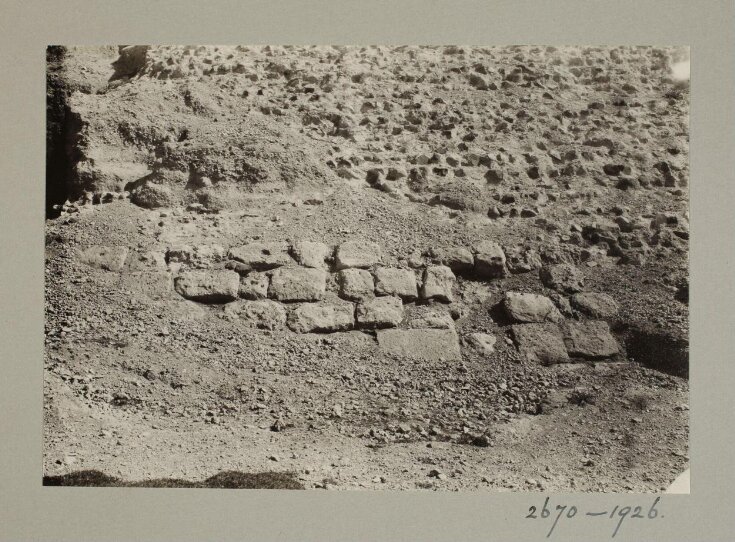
(222, 480)
(499, 315)
(57, 161)
(656, 349)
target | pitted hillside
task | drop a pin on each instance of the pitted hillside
(171, 145)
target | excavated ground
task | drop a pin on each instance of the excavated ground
(189, 330)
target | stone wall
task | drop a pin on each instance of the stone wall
(309, 287)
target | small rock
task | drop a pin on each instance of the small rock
(484, 341)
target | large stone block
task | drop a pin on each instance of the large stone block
(490, 260)
(590, 339)
(297, 284)
(219, 286)
(540, 343)
(310, 253)
(201, 256)
(102, 257)
(426, 344)
(563, 277)
(595, 305)
(380, 312)
(527, 308)
(356, 284)
(254, 286)
(322, 317)
(264, 314)
(439, 283)
(357, 253)
(434, 317)
(458, 259)
(260, 256)
(397, 282)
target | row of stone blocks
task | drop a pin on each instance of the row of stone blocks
(486, 260)
(299, 297)
(300, 284)
(338, 315)
(269, 270)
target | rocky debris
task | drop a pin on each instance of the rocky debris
(297, 284)
(261, 256)
(528, 308)
(427, 344)
(484, 342)
(540, 343)
(438, 284)
(322, 317)
(310, 253)
(590, 339)
(102, 257)
(265, 314)
(460, 260)
(355, 284)
(254, 286)
(522, 259)
(595, 305)
(490, 260)
(563, 277)
(357, 253)
(380, 312)
(212, 286)
(396, 282)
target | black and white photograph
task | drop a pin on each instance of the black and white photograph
(387, 268)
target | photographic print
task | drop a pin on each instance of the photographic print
(424, 268)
